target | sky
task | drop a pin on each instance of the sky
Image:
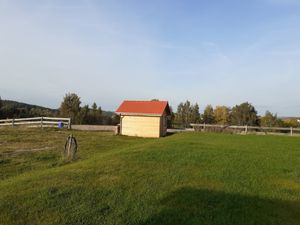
(219, 52)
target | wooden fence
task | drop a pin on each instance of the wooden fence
(37, 122)
(245, 129)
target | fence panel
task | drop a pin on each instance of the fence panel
(245, 129)
(36, 122)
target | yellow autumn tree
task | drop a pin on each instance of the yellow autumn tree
(222, 115)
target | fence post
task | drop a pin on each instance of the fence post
(13, 122)
(69, 123)
(291, 131)
(204, 126)
(246, 129)
(41, 122)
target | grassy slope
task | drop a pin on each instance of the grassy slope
(182, 179)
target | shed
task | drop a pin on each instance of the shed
(143, 118)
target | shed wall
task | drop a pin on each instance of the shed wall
(141, 126)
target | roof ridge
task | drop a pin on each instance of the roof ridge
(145, 100)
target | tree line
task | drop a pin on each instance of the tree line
(70, 107)
(241, 115)
(187, 113)
(13, 109)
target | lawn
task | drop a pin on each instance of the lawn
(188, 178)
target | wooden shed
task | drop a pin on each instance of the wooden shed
(143, 118)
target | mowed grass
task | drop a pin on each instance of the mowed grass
(188, 178)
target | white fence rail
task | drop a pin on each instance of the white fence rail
(246, 129)
(37, 122)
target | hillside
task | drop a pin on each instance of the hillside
(22, 105)
(14, 109)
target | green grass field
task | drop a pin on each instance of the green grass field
(188, 178)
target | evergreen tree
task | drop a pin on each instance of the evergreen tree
(94, 106)
(83, 115)
(195, 114)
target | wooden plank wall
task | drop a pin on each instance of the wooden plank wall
(140, 126)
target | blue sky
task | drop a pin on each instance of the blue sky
(210, 52)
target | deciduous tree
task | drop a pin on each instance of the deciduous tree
(70, 107)
(222, 115)
(195, 114)
(270, 120)
(208, 115)
(244, 114)
(187, 114)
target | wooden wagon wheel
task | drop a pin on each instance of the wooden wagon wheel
(70, 148)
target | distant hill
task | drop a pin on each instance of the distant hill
(22, 105)
(14, 109)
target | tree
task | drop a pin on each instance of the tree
(195, 114)
(36, 111)
(244, 114)
(70, 107)
(222, 115)
(115, 119)
(94, 106)
(187, 110)
(184, 113)
(9, 111)
(93, 114)
(187, 114)
(83, 115)
(97, 113)
(89, 115)
(171, 118)
(290, 122)
(99, 117)
(270, 120)
(208, 115)
(179, 116)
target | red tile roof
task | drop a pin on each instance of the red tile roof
(144, 107)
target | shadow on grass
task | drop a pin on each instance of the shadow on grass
(169, 134)
(204, 207)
